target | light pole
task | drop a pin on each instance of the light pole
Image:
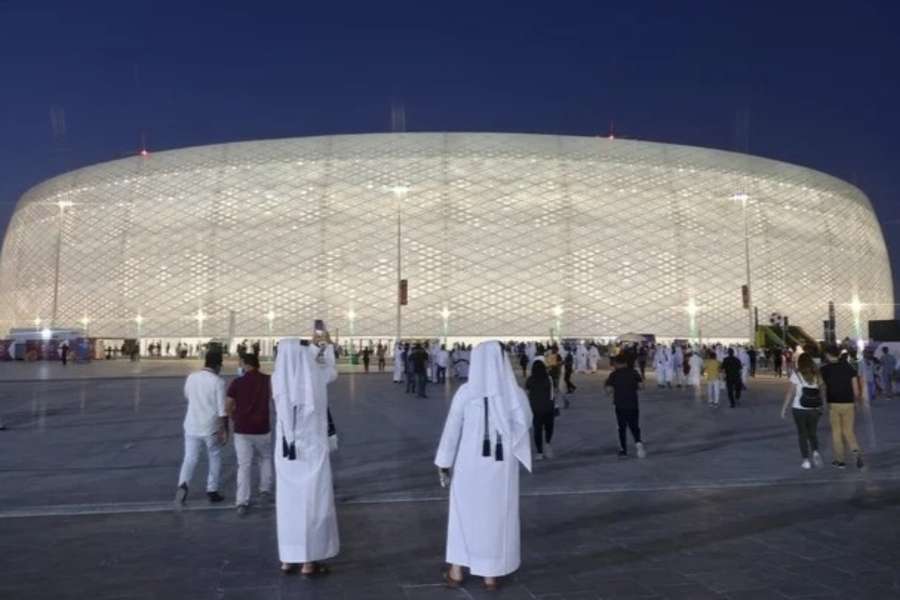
(557, 313)
(744, 198)
(270, 319)
(200, 316)
(351, 316)
(692, 315)
(399, 192)
(63, 205)
(445, 315)
(856, 307)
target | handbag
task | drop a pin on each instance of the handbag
(810, 397)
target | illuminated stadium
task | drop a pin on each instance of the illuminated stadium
(503, 235)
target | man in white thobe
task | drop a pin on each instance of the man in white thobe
(399, 363)
(581, 358)
(485, 438)
(744, 357)
(695, 363)
(661, 365)
(304, 493)
(593, 359)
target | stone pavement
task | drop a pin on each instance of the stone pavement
(720, 508)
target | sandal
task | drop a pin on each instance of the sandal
(290, 568)
(317, 570)
(450, 582)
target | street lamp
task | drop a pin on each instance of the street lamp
(557, 312)
(351, 316)
(743, 198)
(63, 205)
(200, 317)
(400, 192)
(692, 315)
(270, 318)
(445, 315)
(856, 307)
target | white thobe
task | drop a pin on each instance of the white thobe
(304, 493)
(593, 359)
(696, 365)
(581, 359)
(398, 365)
(661, 364)
(676, 365)
(483, 525)
(745, 365)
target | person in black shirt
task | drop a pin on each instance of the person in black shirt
(842, 392)
(568, 366)
(419, 360)
(540, 396)
(625, 383)
(732, 368)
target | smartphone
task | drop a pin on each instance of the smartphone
(319, 326)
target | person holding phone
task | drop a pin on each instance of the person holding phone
(304, 494)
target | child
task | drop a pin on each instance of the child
(625, 383)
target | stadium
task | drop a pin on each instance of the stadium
(500, 235)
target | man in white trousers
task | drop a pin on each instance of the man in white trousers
(204, 426)
(247, 403)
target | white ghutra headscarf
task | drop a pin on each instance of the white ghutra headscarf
(292, 380)
(491, 376)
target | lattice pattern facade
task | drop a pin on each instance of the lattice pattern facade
(501, 235)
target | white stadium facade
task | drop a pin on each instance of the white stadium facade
(500, 235)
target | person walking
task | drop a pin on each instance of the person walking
(568, 367)
(409, 368)
(204, 426)
(733, 370)
(484, 440)
(418, 361)
(843, 393)
(540, 390)
(625, 382)
(442, 360)
(805, 399)
(777, 361)
(380, 351)
(247, 404)
(366, 356)
(64, 352)
(888, 366)
(304, 505)
(399, 362)
(554, 365)
(712, 378)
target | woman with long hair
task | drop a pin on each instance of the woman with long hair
(804, 396)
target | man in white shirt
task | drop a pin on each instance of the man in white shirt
(442, 359)
(204, 425)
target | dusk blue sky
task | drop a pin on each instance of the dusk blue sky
(817, 82)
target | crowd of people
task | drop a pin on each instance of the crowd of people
(492, 426)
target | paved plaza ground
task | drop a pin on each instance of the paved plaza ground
(719, 509)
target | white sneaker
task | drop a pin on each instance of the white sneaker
(805, 464)
(538, 457)
(548, 450)
(641, 453)
(817, 459)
